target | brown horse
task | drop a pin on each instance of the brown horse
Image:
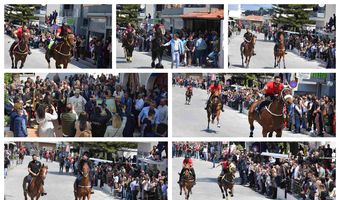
(214, 109)
(188, 95)
(247, 51)
(279, 54)
(129, 45)
(187, 183)
(83, 190)
(35, 188)
(61, 53)
(20, 51)
(227, 182)
(271, 117)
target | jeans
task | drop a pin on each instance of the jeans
(175, 59)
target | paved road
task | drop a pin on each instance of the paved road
(37, 59)
(191, 120)
(206, 184)
(264, 55)
(57, 186)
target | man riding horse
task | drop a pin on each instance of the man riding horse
(83, 160)
(188, 93)
(215, 87)
(277, 42)
(33, 170)
(60, 36)
(248, 35)
(187, 165)
(225, 168)
(270, 91)
(18, 34)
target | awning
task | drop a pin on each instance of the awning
(218, 14)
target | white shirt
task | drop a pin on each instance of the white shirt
(46, 128)
(77, 103)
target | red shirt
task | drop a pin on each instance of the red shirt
(59, 30)
(213, 89)
(225, 164)
(187, 161)
(20, 32)
(189, 88)
(272, 89)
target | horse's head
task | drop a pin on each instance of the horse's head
(70, 39)
(85, 170)
(43, 171)
(25, 37)
(253, 39)
(130, 35)
(282, 38)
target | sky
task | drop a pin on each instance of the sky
(249, 6)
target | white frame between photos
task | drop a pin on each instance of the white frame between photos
(170, 139)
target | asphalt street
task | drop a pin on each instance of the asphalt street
(264, 57)
(206, 183)
(191, 120)
(58, 186)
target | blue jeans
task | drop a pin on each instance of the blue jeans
(175, 59)
(213, 56)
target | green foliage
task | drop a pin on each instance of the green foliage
(127, 13)
(292, 16)
(108, 147)
(20, 12)
(8, 78)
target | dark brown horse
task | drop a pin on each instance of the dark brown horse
(188, 95)
(61, 53)
(187, 183)
(247, 51)
(226, 183)
(271, 117)
(35, 188)
(20, 51)
(214, 110)
(83, 190)
(279, 54)
(129, 45)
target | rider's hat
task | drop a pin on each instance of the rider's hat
(86, 153)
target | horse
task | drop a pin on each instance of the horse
(129, 46)
(20, 51)
(157, 49)
(61, 52)
(280, 53)
(248, 51)
(83, 190)
(187, 183)
(271, 117)
(35, 187)
(226, 182)
(214, 110)
(188, 95)
(21, 158)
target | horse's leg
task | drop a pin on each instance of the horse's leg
(279, 62)
(208, 119)
(242, 58)
(270, 134)
(12, 59)
(264, 132)
(284, 62)
(218, 119)
(252, 127)
(278, 133)
(65, 65)
(274, 61)
(219, 185)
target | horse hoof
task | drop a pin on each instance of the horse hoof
(219, 126)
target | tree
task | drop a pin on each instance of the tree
(127, 13)
(292, 16)
(20, 12)
(108, 147)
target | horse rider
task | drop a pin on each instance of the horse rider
(248, 36)
(212, 89)
(33, 171)
(277, 42)
(187, 164)
(270, 91)
(60, 36)
(18, 36)
(84, 159)
(190, 89)
(225, 168)
(129, 29)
